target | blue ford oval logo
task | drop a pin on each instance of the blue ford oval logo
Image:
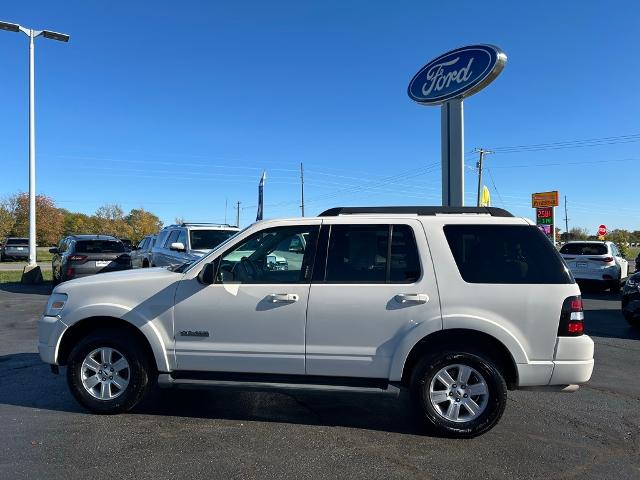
(457, 74)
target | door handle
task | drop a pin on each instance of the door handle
(411, 298)
(282, 297)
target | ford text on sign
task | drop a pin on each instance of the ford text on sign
(457, 74)
(545, 199)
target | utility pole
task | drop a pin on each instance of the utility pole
(479, 166)
(226, 201)
(302, 187)
(566, 219)
(238, 214)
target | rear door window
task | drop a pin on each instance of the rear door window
(510, 254)
(585, 248)
(363, 254)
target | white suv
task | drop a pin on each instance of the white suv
(456, 305)
(596, 262)
(177, 245)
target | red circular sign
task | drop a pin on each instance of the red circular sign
(602, 230)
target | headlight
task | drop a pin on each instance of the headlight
(55, 304)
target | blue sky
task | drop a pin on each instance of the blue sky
(178, 106)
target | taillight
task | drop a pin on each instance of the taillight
(602, 259)
(78, 258)
(571, 317)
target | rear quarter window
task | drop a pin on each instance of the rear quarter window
(506, 254)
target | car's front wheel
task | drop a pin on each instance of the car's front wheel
(108, 373)
(460, 393)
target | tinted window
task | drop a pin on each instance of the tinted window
(182, 237)
(505, 254)
(99, 246)
(161, 238)
(275, 255)
(584, 249)
(173, 236)
(405, 263)
(361, 253)
(143, 244)
(17, 241)
(208, 239)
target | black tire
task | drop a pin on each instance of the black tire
(138, 374)
(145, 264)
(424, 374)
(633, 320)
(614, 285)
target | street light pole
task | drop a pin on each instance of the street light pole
(32, 34)
(32, 154)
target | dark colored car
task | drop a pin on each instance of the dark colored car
(82, 255)
(638, 263)
(128, 244)
(631, 300)
(14, 248)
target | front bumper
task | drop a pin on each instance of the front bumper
(50, 330)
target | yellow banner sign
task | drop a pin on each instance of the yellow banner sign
(545, 199)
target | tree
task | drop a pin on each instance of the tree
(6, 221)
(49, 219)
(142, 223)
(621, 238)
(109, 220)
(577, 233)
(77, 223)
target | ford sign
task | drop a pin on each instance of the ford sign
(457, 74)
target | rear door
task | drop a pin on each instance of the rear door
(373, 282)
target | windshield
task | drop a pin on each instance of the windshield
(99, 246)
(17, 241)
(584, 249)
(208, 239)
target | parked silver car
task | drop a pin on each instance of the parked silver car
(184, 243)
(141, 254)
(14, 248)
(82, 255)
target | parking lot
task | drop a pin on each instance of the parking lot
(594, 433)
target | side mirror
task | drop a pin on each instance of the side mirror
(53, 250)
(177, 246)
(208, 273)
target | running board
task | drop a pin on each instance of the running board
(166, 380)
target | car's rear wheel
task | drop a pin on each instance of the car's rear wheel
(145, 264)
(108, 373)
(459, 392)
(614, 285)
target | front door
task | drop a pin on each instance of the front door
(378, 284)
(252, 319)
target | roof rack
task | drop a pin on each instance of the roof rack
(417, 210)
(200, 224)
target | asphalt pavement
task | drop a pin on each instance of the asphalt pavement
(591, 434)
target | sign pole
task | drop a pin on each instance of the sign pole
(452, 131)
(553, 226)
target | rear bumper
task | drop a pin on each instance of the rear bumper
(572, 364)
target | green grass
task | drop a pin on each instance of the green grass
(15, 276)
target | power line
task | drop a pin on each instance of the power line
(590, 142)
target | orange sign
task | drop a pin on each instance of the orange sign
(545, 199)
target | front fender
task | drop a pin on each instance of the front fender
(158, 338)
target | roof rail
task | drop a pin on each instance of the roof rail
(417, 210)
(199, 224)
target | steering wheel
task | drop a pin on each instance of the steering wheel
(247, 269)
